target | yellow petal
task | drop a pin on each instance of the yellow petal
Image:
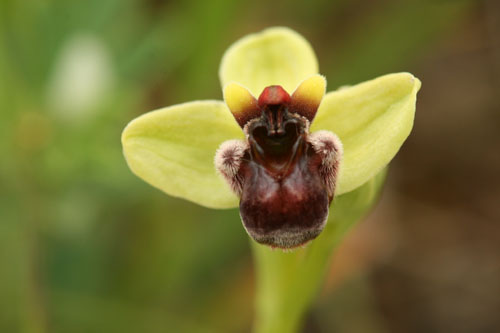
(308, 95)
(241, 103)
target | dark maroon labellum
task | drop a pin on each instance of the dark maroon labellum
(284, 176)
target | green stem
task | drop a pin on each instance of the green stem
(287, 282)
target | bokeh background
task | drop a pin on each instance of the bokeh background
(85, 246)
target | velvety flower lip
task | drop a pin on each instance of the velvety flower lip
(173, 148)
(284, 175)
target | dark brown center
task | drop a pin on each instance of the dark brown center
(284, 202)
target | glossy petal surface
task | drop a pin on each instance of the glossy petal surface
(173, 149)
(275, 56)
(372, 119)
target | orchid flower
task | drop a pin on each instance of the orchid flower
(283, 150)
(278, 145)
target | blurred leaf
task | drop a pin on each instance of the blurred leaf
(389, 38)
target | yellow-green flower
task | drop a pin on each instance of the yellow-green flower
(173, 148)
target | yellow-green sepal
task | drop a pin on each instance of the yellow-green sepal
(275, 56)
(173, 149)
(372, 119)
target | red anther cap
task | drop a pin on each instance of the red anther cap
(273, 95)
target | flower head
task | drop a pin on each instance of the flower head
(283, 146)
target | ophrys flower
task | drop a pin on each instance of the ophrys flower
(285, 167)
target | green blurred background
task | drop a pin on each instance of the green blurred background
(85, 246)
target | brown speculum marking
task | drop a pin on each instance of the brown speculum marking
(284, 199)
